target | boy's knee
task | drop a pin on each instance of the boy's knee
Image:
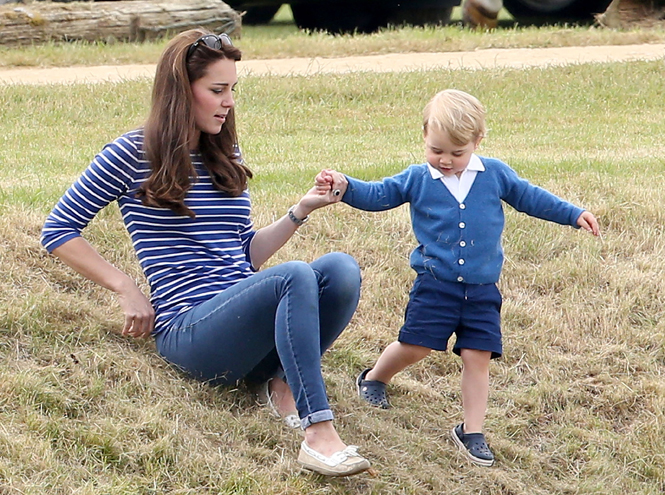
(475, 358)
(415, 352)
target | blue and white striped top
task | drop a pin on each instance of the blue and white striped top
(186, 261)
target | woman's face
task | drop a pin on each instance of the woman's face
(213, 96)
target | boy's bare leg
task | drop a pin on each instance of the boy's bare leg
(475, 388)
(394, 359)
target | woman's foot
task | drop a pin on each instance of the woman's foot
(324, 452)
(323, 438)
(342, 463)
(279, 399)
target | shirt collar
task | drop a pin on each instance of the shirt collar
(475, 164)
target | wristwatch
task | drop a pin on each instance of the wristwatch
(298, 221)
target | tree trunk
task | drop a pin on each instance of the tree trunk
(126, 20)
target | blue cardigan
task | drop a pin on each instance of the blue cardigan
(460, 242)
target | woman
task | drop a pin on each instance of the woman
(182, 189)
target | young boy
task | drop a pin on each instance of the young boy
(457, 218)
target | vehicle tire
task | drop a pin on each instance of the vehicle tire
(339, 17)
(259, 15)
(544, 11)
(433, 16)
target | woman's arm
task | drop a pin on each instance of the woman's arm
(268, 240)
(108, 177)
(82, 257)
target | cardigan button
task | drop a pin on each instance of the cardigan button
(462, 225)
(460, 279)
(462, 206)
(461, 261)
(462, 244)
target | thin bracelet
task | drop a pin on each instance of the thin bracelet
(298, 221)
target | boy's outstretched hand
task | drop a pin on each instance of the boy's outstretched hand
(588, 222)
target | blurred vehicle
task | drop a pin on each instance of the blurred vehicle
(369, 15)
(343, 16)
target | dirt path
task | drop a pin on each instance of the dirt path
(480, 59)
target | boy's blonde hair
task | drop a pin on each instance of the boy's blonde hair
(457, 113)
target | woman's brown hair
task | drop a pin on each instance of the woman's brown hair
(171, 124)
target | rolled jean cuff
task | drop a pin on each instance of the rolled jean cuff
(316, 417)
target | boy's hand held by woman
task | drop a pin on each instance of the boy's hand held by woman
(331, 183)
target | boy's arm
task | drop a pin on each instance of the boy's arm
(540, 203)
(386, 194)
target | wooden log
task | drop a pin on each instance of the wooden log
(126, 20)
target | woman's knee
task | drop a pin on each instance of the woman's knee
(297, 268)
(298, 273)
(340, 268)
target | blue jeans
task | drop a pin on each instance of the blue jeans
(278, 322)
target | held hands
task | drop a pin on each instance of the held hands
(331, 182)
(139, 313)
(329, 187)
(588, 222)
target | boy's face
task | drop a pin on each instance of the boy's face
(448, 158)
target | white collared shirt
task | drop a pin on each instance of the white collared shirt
(460, 186)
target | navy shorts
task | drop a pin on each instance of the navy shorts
(437, 309)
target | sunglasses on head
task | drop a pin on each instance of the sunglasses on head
(213, 41)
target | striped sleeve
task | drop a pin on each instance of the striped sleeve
(110, 174)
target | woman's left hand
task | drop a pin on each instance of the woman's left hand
(329, 188)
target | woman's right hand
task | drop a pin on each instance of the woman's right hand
(82, 257)
(139, 313)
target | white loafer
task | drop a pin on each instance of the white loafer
(343, 463)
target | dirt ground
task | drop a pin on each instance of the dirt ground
(479, 59)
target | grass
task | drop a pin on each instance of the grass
(281, 39)
(576, 402)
